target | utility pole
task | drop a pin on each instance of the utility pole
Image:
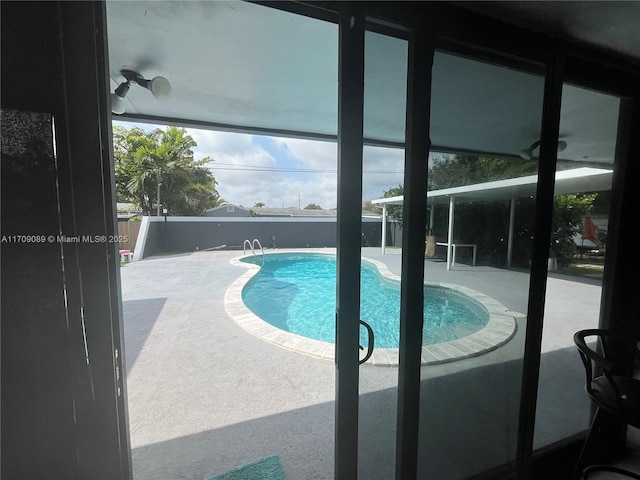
(158, 193)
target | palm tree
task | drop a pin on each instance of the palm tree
(164, 170)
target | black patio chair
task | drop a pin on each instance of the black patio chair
(588, 472)
(615, 393)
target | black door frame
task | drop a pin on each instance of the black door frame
(99, 268)
(349, 226)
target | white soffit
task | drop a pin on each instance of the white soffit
(259, 69)
(228, 62)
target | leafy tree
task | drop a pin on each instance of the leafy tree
(313, 206)
(259, 205)
(218, 201)
(448, 171)
(395, 211)
(568, 214)
(371, 207)
(125, 145)
(569, 211)
(162, 160)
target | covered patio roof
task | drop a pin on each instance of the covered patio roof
(243, 67)
(577, 180)
(584, 179)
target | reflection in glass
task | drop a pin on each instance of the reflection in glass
(578, 241)
(479, 187)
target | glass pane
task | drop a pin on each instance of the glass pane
(213, 382)
(588, 129)
(477, 256)
(383, 175)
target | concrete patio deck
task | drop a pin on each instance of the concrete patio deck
(202, 398)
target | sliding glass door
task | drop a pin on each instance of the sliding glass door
(484, 119)
(385, 89)
(448, 307)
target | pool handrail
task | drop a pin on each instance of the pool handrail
(244, 251)
(253, 244)
(252, 247)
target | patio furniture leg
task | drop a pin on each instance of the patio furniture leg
(600, 445)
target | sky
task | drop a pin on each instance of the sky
(286, 172)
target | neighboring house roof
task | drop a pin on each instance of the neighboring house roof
(292, 212)
(233, 210)
(370, 213)
(227, 210)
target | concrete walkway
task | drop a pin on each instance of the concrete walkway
(206, 396)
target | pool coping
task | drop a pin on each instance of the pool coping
(500, 328)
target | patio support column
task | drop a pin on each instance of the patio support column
(349, 234)
(452, 206)
(512, 213)
(418, 143)
(384, 227)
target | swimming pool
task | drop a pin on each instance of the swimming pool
(296, 293)
(468, 340)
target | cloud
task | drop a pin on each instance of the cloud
(239, 166)
(382, 167)
(318, 183)
(310, 153)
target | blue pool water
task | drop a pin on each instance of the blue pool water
(296, 293)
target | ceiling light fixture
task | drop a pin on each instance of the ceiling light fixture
(527, 153)
(561, 145)
(159, 87)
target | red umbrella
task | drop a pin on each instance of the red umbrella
(589, 231)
